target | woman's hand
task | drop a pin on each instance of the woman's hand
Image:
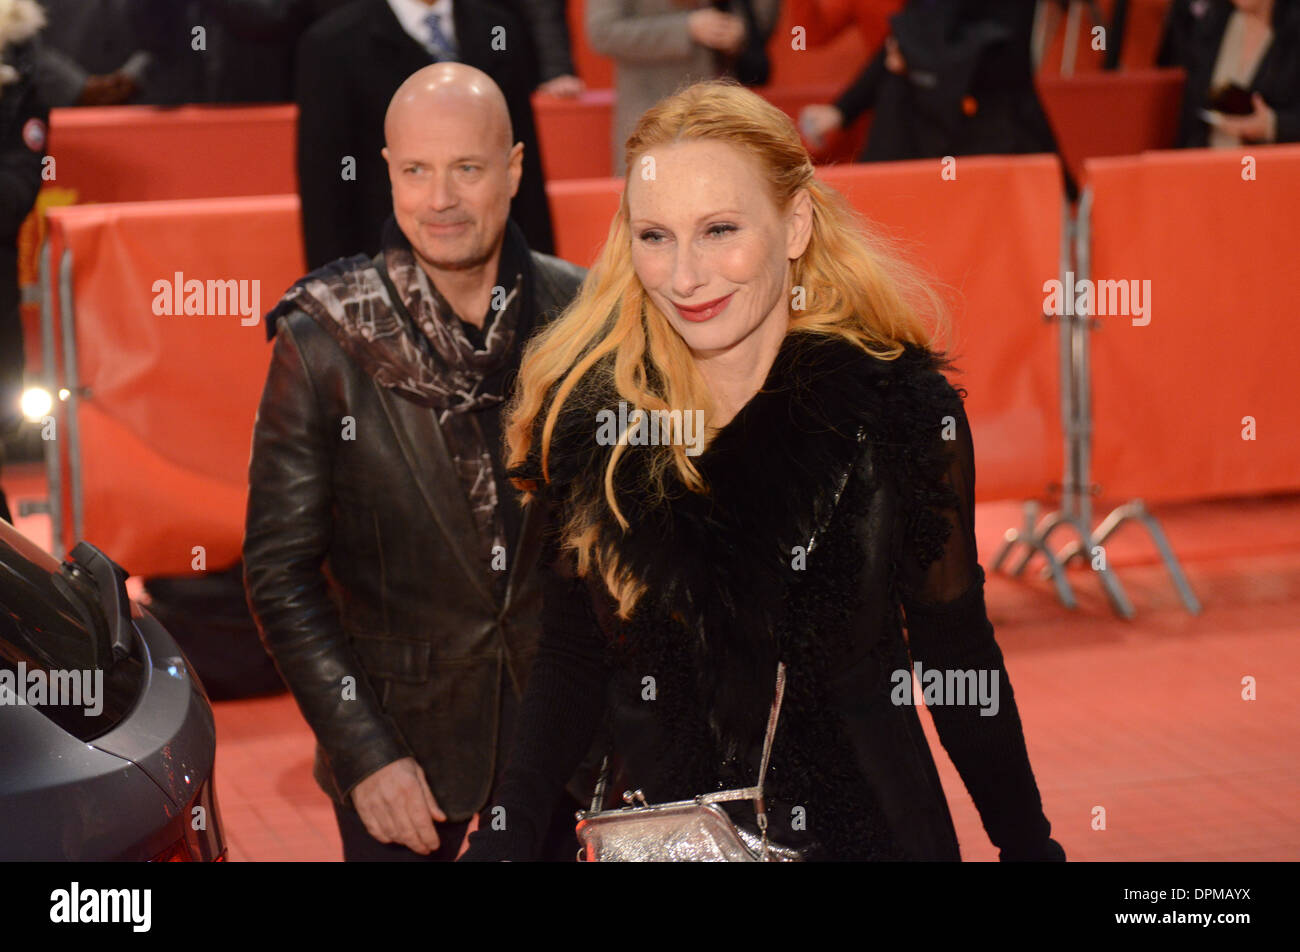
(566, 87)
(894, 61)
(720, 31)
(1259, 126)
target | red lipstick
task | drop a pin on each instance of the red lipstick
(702, 312)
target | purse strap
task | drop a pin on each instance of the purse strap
(760, 806)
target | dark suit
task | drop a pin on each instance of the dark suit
(549, 25)
(349, 65)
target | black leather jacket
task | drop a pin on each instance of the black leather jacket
(359, 577)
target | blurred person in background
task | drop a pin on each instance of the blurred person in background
(252, 45)
(257, 41)
(348, 67)
(1243, 70)
(23, 119)
(954, 77)
(219, 51)
(94, 53)
(659, 46)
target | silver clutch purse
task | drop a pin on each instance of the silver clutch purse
(696, 830)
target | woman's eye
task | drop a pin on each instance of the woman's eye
(651, 237)
(721, 229)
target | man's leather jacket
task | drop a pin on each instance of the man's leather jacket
(361, 576)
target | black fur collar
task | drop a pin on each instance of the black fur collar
(720, 562)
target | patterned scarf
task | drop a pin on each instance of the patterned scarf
(421, 350)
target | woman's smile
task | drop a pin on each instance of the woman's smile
(698, 313)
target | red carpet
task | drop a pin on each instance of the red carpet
(1141, 718)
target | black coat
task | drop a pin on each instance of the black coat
(727, 594)
(349, 65)
(404, 609)
(973, 51)
(1197, 40)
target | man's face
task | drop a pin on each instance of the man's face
(453, 175)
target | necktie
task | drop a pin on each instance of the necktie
(439, 45)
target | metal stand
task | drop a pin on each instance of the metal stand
(67, 433)
(1047, 20)
(68, 323)
(1077, 488)
(1033, 534)
(53, 473)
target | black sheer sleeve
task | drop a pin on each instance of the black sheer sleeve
(949, 629)
(562, 708)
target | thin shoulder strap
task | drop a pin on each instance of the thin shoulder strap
(772, 718)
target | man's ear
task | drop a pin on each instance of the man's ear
(515, 167)
(384, 153)
(799, 222)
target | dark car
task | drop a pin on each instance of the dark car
(107, 739)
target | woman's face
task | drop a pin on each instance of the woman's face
(710, 246)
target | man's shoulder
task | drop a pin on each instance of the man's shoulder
(336, 279)
(561, 278)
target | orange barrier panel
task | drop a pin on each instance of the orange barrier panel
(573, 135)
(1170, 397)
(993, 237)
(143, 153)
(166, 418)
(583, 210)
(1100, 114)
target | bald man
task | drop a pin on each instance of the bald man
(387, 562)
(348, 66)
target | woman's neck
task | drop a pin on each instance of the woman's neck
(736, 374)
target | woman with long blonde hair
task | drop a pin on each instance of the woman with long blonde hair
(750, 461)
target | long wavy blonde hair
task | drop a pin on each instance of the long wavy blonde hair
(855, 286)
